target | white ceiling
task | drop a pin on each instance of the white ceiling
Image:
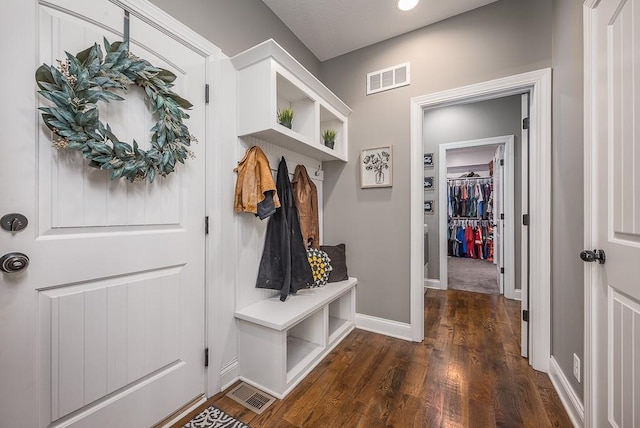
(330, 28)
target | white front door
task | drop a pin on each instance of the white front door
(613, 192)
(106, 325)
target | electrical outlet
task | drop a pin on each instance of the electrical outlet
(576, 367)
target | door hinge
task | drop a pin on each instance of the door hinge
(206, 357)
(525, 219)
(206, 225)
(525, 315)
(501, 162)
(502, 216)
(525, 123)
(501, 270)
(206, 93)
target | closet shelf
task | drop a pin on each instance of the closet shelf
(269, 79)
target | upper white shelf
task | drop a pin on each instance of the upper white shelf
(270, 79)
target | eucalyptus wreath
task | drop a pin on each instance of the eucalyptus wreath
(77, 84)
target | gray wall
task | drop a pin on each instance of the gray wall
(567, 279)
(236, 25)
(463, 122)
(500, 39)
(497, 40)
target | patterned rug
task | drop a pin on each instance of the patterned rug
(212, 417)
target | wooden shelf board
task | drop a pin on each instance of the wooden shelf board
(335, 324)
(300, 353)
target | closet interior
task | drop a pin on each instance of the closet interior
(473, 195)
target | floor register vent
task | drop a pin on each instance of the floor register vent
(388, 78)
(251, 398)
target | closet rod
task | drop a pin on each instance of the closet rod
(469, 178)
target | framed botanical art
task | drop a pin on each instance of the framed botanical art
(376, 167)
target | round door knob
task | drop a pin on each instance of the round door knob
(592, 256)
(13, 262)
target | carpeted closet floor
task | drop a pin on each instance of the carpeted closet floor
(480, 276)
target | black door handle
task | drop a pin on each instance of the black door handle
(592, 256)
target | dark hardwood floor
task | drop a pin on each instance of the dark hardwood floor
(467, 373)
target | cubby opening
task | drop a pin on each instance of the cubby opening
(340, 316)
(305, 341)
(290, 96)
(328, 120)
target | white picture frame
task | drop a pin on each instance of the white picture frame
(376, 167)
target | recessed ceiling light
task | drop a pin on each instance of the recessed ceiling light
(407, 4)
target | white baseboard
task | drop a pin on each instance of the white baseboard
(183, 412)
(229, 374)
(517, 294)
(570, 400)
(432, 283)
(396, 329)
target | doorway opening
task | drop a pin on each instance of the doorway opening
(537, 84)
(476, 216)
(480, 206)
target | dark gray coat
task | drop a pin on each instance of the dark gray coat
(284, 265)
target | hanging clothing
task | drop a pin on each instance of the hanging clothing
(469, 197)
(255, 188)
(306, 196)
(284, 265)
(470, 238)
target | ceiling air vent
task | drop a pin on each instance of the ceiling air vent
(388, 78)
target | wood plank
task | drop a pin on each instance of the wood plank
(467, 373)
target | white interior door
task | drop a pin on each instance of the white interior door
(614, 293)
(106, 326)
(498, 209)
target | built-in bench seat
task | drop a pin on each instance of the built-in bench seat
(281, 342)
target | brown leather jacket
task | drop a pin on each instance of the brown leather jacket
(255, 183)
(306, 197)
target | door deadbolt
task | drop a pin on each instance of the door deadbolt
(13, 222)
(13, 262)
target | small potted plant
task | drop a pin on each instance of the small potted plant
(329, 137)
(285, 117)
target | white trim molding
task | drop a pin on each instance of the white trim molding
(592, 389)
(517, 294)
(538, 85)
(432, 283)
(568, 396)
(399, 330)
(229, 374)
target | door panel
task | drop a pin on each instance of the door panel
(624, 345)
(105, 202)
(616, 211)
(106, 334)
(109, 317)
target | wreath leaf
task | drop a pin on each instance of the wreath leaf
(77, 85)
